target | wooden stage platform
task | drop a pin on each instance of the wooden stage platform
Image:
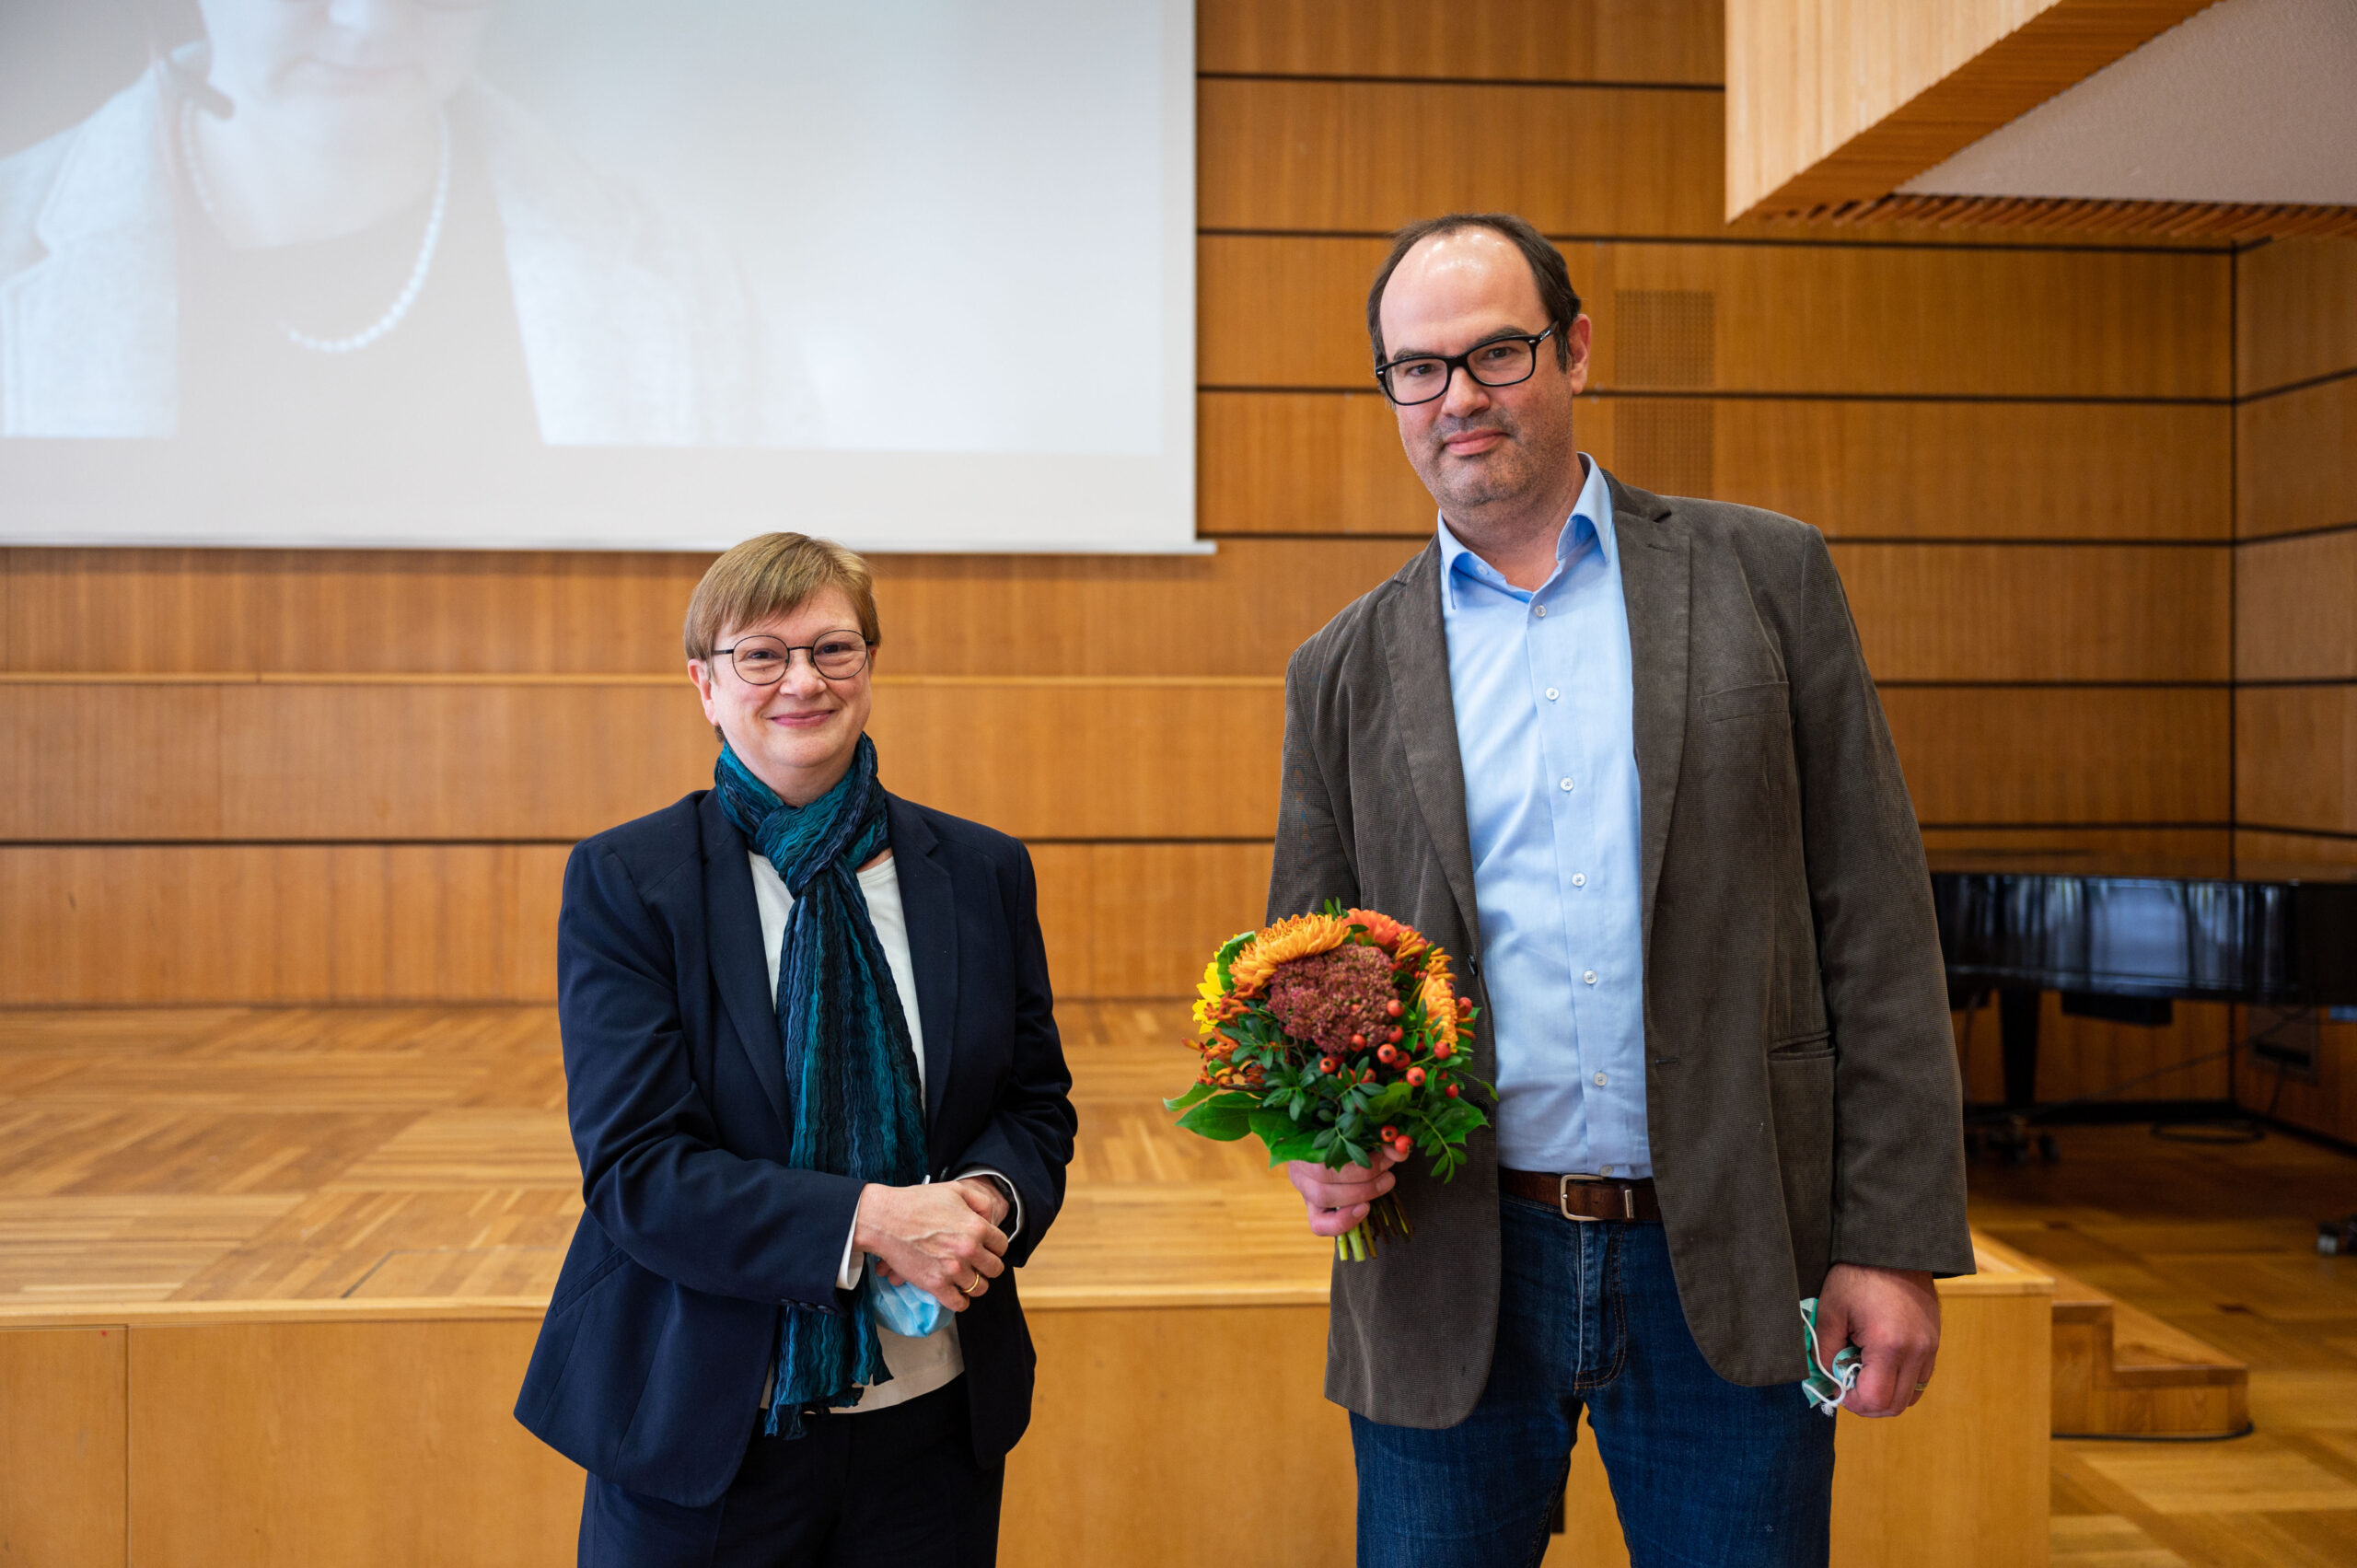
(267, 1278)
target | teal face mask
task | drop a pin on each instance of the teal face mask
(1826, 1385)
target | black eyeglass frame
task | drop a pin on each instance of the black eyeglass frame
(809, 650)
(1456, 361)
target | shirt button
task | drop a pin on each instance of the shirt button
(1579, 879)
(1552, 694)
(1602, 1079)
(1567, 783)
(1540, 611)
(1604, 1171)
(1589, 977)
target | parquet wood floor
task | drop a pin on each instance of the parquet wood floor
(2219, 1241)
(228, 1154)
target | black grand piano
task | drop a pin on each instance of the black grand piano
(2126, 948)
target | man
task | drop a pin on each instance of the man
(1621, 752)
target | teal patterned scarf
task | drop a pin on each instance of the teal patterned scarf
(850, 1071)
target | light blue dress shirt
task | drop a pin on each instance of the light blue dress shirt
(1544, 693)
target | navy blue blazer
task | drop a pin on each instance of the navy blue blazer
(664, 1324)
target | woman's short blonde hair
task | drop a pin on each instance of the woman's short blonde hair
(776, 574)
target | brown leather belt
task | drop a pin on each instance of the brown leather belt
(1586, 1198)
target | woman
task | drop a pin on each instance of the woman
(316, 228)
(814, 1082)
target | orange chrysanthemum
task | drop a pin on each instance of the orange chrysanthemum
(1440, 1001)
(1400, 940)
(1249, 971)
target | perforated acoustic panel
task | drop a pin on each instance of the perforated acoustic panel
(1667, 342)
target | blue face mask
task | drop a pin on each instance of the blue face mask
(1828, 1384)
(903, 1308)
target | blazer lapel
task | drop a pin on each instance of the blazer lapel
(1656, 578)
(928, 905)
(740, 966)
(1415, 650)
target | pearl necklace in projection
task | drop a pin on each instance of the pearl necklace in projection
(193, 159)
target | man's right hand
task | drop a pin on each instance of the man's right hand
(1338, 1199)
(932, 1236)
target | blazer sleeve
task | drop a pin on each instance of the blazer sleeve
(1313, 861)
(1899, 1156)
(652, 1171)
(1028, 1138)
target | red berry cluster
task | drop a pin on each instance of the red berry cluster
(1392, 1051)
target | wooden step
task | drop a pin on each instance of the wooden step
(2118, 1371)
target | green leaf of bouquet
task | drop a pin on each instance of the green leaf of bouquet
(1227, 951)
(1293, 1143)
(1225, 1118)
(1456, 1121)
(1196, 1094)
(1390, 1098)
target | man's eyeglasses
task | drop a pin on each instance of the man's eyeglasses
(764, 661)
(1420, 378)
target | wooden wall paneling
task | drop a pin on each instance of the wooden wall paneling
(2326, 1103)
(2077, 1057)
(1979, 469)
(2296, 460)
(429, 761)
(138, 924)
(110, 761)
(434, 923)
(63, 1465)
(2294, 616)
(358, 1444)
(2040, 612)
(2265, 855)
(164, 924)
(1608, 41)
(1239, 612)
(1321, 462)
(2296, 312)
(1289, 312)
(1308, 463)
(1368, 157)
(357, 611)
(2086, 851)
(2295, 757)
(433, 761)
(1923, 320)
(2061, 756)
(1142, 918)
(1084, 761)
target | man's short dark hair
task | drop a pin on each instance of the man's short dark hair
(1556, 294)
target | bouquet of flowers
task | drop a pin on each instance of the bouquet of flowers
(1326, 1034)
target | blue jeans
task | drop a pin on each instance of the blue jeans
(1705, 1473)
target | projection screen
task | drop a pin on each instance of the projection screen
(597, 273)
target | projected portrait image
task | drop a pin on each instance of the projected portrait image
(315, 224)
(597, 273)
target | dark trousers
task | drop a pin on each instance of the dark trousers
(1705, 1473)
(898, 1487)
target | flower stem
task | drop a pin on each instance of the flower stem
(1384, 1217)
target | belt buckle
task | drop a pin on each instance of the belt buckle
(1563, 1196)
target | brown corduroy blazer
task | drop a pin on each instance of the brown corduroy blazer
(1800, 1089)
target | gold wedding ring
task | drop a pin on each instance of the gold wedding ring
(969, 1290)
(1921, 1386)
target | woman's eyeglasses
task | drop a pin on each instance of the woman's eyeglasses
(764, 661)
